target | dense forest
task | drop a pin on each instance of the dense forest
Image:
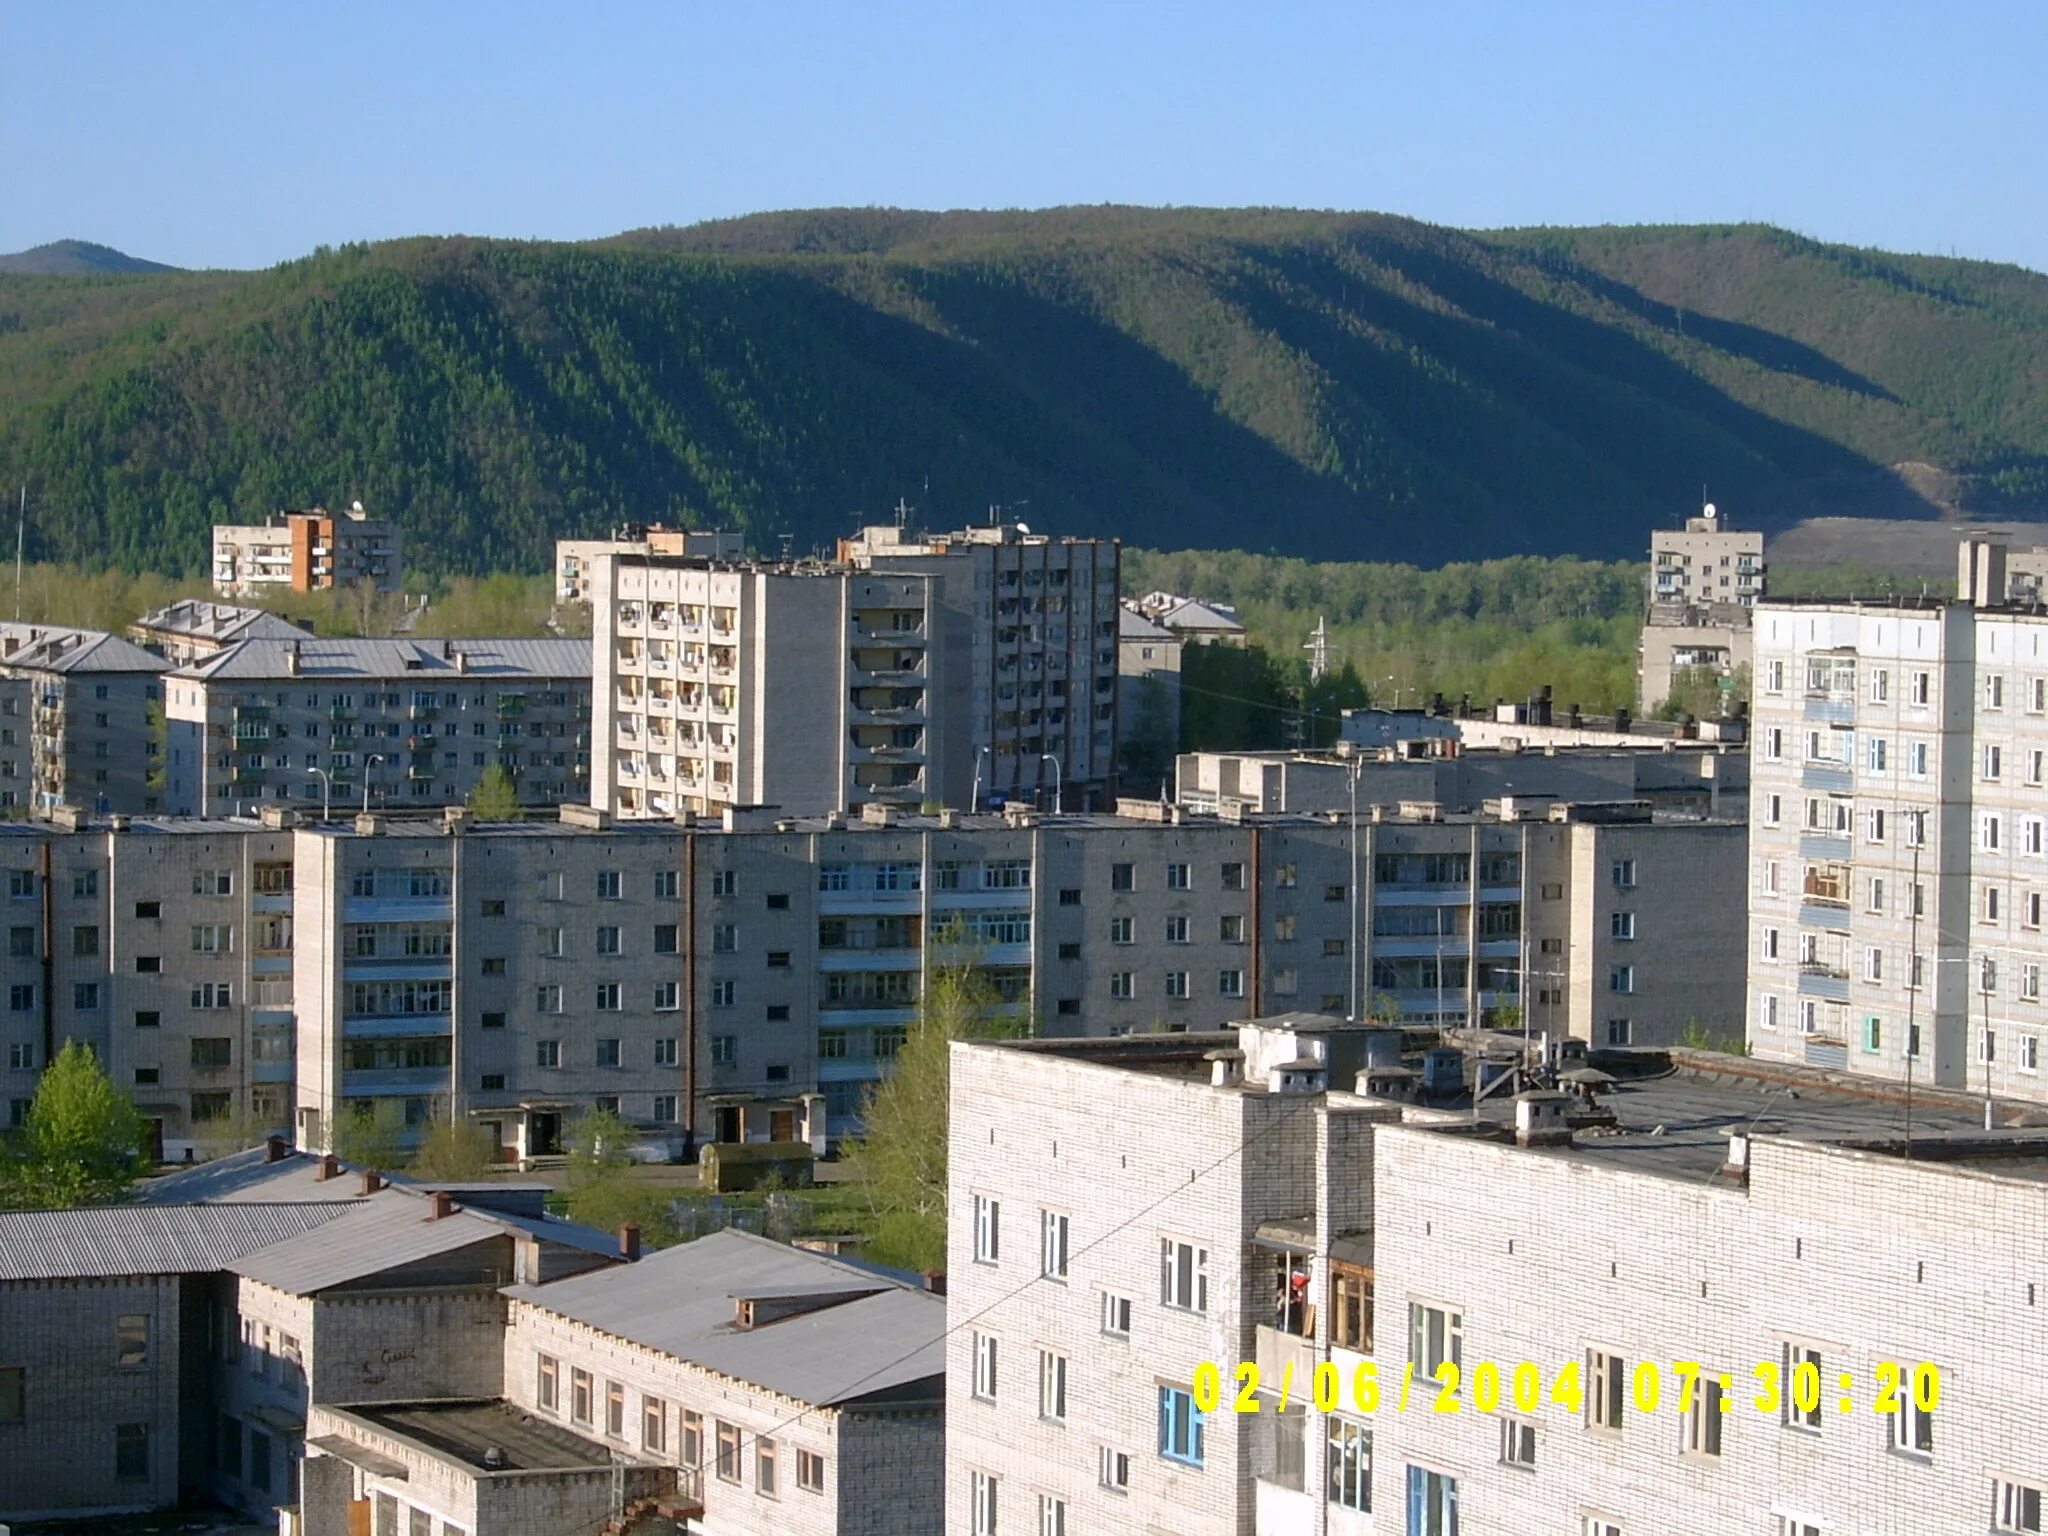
(1333, 386)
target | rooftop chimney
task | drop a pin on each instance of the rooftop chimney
(372, 1181)
(935, 1281)
(1539, 1120)
(274, 1149)
(440, 1204)
(330, 1167)
(291, 658)
(629, 1241)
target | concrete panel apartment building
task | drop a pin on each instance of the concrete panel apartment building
(1704, 580)
(1899, 863)
(75, 709)
(416, 722)
(1250, 1209)
(307, 552)
(747, 983)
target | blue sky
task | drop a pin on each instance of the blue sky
(229, 133)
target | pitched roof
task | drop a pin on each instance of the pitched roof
(250, 1178)
(499, 660)
(144, 1239)
(201, 620)
(390, 1229)
(680, 1302)
(60, 648)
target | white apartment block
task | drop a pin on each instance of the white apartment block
(394, 724)
(576, 559)
(1248, 1210)
(1703, 581)
(307, 552)
(1028, 626)
(806, 688)
(76, 721)
(1899, 862)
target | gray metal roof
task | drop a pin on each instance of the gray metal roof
(680, 1302)
(390, 1229)
(60, 648)
(145, 1239)
(249, 1178)
(398, 660)
(198, 619)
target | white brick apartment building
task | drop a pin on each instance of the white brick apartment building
(1899, 841)
(1732, 1214)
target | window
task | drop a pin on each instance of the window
(1793, 1359)
(723, 992)
(1436, 1337)
(1874, 753)
(728, 1465)
(131, 1452)
(1180, 1426)
(725, 939)
(1120, 985)
(1774, 810)
(582, 1392)
(1874, 824)
(1177, 984)
(1350, 1465)
(609, 885)
(1598, 1525)
(131, 1342)
(988, 1221)
(985, 1366)
(2014, 1506)
(607, 997)
(1619, 1031)
(1055, 1230)
(1909, 1428)
(1233, 877)
(1994, 692)
(13, 1394)
(608, 939)
(1052, 1516)
(492, 906)
(1230, 983)
(1621, 978)
(546, 1381)
(1333, 892)
(1052, 1385)
(1873, 1035)
(810, 1471)
(1703, 1418)
(981, 1495)
(547, 1053)
(1517, 1443)
(1991, 762)
(1621, 925)
(689, 1436)
(547, 998)
(725, 1050)
(213, 994)
(212, 1052)
(1116, 1315)
(1432, 1503)
(1123, 877)
(764, 1467)
(1177, 877)
(1176, 930)
(608, 1053)
(85, 940)
(1183, 1275)
(1119, 930)
(1113, 1470)
(1624, 874)
(1606, 1381)
(2030, 1053)
(1990, 826)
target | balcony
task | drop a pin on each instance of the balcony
(1817, 979)
(1830, 709)
(388, 1082)
(1824, 845)
(423, 712)
(1278, 1353)
(1833, 778)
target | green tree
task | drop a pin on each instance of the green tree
(83, 1140)
(496, 796)
(1145, 755)
(454, 1151)
(365, 1139)
(610, 1202)
(899, 1158)
(599, 1144)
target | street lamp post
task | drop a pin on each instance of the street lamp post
(326, 794)
(974, 799)
(374, 757)
(1058, 779)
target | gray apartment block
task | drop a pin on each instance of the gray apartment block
(750, 982)
(84, 720)
(803, 687)
(192, 629)
(1703, 582)
(1250, 1212)
(1030, 624)
(399, 724)
(1897, 837)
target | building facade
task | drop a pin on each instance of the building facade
(1703, 582)
(1028, 625)
(307, 552)
(83, 730)
(395, 724)
(192, 629)
(576, 559)
(806, 688)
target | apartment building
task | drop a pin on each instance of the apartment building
(1897, 836)
(164, 945)
(1675, 779)
(750, 981)
(307, 552)
(193, 629)
(390, 724)
(76, 721)
(1703, 581)
(575, 559)
(1249, 1209)
(1148, 684)
(1028, 625)
(807, 688)
(1195, 620)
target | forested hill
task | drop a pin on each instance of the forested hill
(1326, 385)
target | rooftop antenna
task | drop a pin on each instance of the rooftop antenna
(902, 514)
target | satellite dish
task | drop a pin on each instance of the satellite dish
(1710, 512)
(1023, 527)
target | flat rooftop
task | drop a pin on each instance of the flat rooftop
(466, 1429)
